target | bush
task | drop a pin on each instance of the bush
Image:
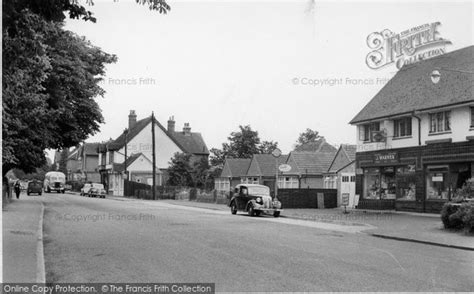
(458, 216)
(468, 219)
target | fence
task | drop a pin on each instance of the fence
(307, 198)
(144, 191)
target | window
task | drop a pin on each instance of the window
(472, 117)
(440, 122)
(345, 179)
(402, 127)
(353, 179)
(111, 157)
(437, 183)
(366, 130)
(252, 180)
(288, 183)
(222, 185)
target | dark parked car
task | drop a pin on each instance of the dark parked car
(254, 199)
(97, 190)
(34, 187)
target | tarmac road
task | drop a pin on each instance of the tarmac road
(107, 240)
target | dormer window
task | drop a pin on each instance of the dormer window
(402, 127)
(440, 122)
(366, 130)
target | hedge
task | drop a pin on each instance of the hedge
(458, 216)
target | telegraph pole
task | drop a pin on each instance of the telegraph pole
(153, 154)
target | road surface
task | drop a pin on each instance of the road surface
(110, 240)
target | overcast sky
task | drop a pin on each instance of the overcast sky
(218, 65)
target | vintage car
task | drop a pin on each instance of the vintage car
(254, 199)
(97, 190)
(34, 187)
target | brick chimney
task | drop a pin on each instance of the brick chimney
(171, 124)
(187, 129)
(132, 119)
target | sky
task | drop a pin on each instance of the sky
(279, 66)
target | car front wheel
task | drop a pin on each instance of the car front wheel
(233, 208)
(251, 211)
(276, 214)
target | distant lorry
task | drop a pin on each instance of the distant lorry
(54, 181)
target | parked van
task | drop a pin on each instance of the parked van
(54, 181)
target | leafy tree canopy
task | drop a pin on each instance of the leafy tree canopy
(50, 79)
(308, 136)
(243, 143)
(188, 171)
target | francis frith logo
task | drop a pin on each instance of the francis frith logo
(410, 46)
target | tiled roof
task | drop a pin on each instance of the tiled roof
(264, 164)
(312, 163)
(350, 151)
(132, 158)
(192, 143)
(344, 156)
(319, 145)
(411, 89)
(235, 167)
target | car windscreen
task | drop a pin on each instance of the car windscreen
(262, 191)
(98, 186)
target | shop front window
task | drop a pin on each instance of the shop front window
(406, 183)
(387, 183)
(437, 186)
(372, 183)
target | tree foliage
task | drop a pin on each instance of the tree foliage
(243, 143)
(308, 136)
(50, 80)
(187, 171)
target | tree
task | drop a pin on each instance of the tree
(242, 144)
(308, 136)
(180, 170)
(186, 171)
(267, 147)
(63, 160)
(50, 79)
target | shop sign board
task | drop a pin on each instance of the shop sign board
(386, 157)
(345, 199)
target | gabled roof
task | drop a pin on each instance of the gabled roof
(318, 145)
(344, 156)
(190, 143)
(264, 165)
(235, 167)
(311, 163)
(411, 89)
(132, 158)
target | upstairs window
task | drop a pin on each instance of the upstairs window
(440, 122)
(111, 157)
(366, 130)
(402, 127)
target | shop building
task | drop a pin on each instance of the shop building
(415, 138)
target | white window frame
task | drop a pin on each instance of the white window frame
(288, 182)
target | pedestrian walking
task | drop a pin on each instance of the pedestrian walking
(17, 188)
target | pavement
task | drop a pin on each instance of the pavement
(22, 222)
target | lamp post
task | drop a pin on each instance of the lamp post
(276, 153)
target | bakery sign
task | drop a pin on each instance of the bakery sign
(386, 157)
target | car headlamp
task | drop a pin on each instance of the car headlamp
(259, 200)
